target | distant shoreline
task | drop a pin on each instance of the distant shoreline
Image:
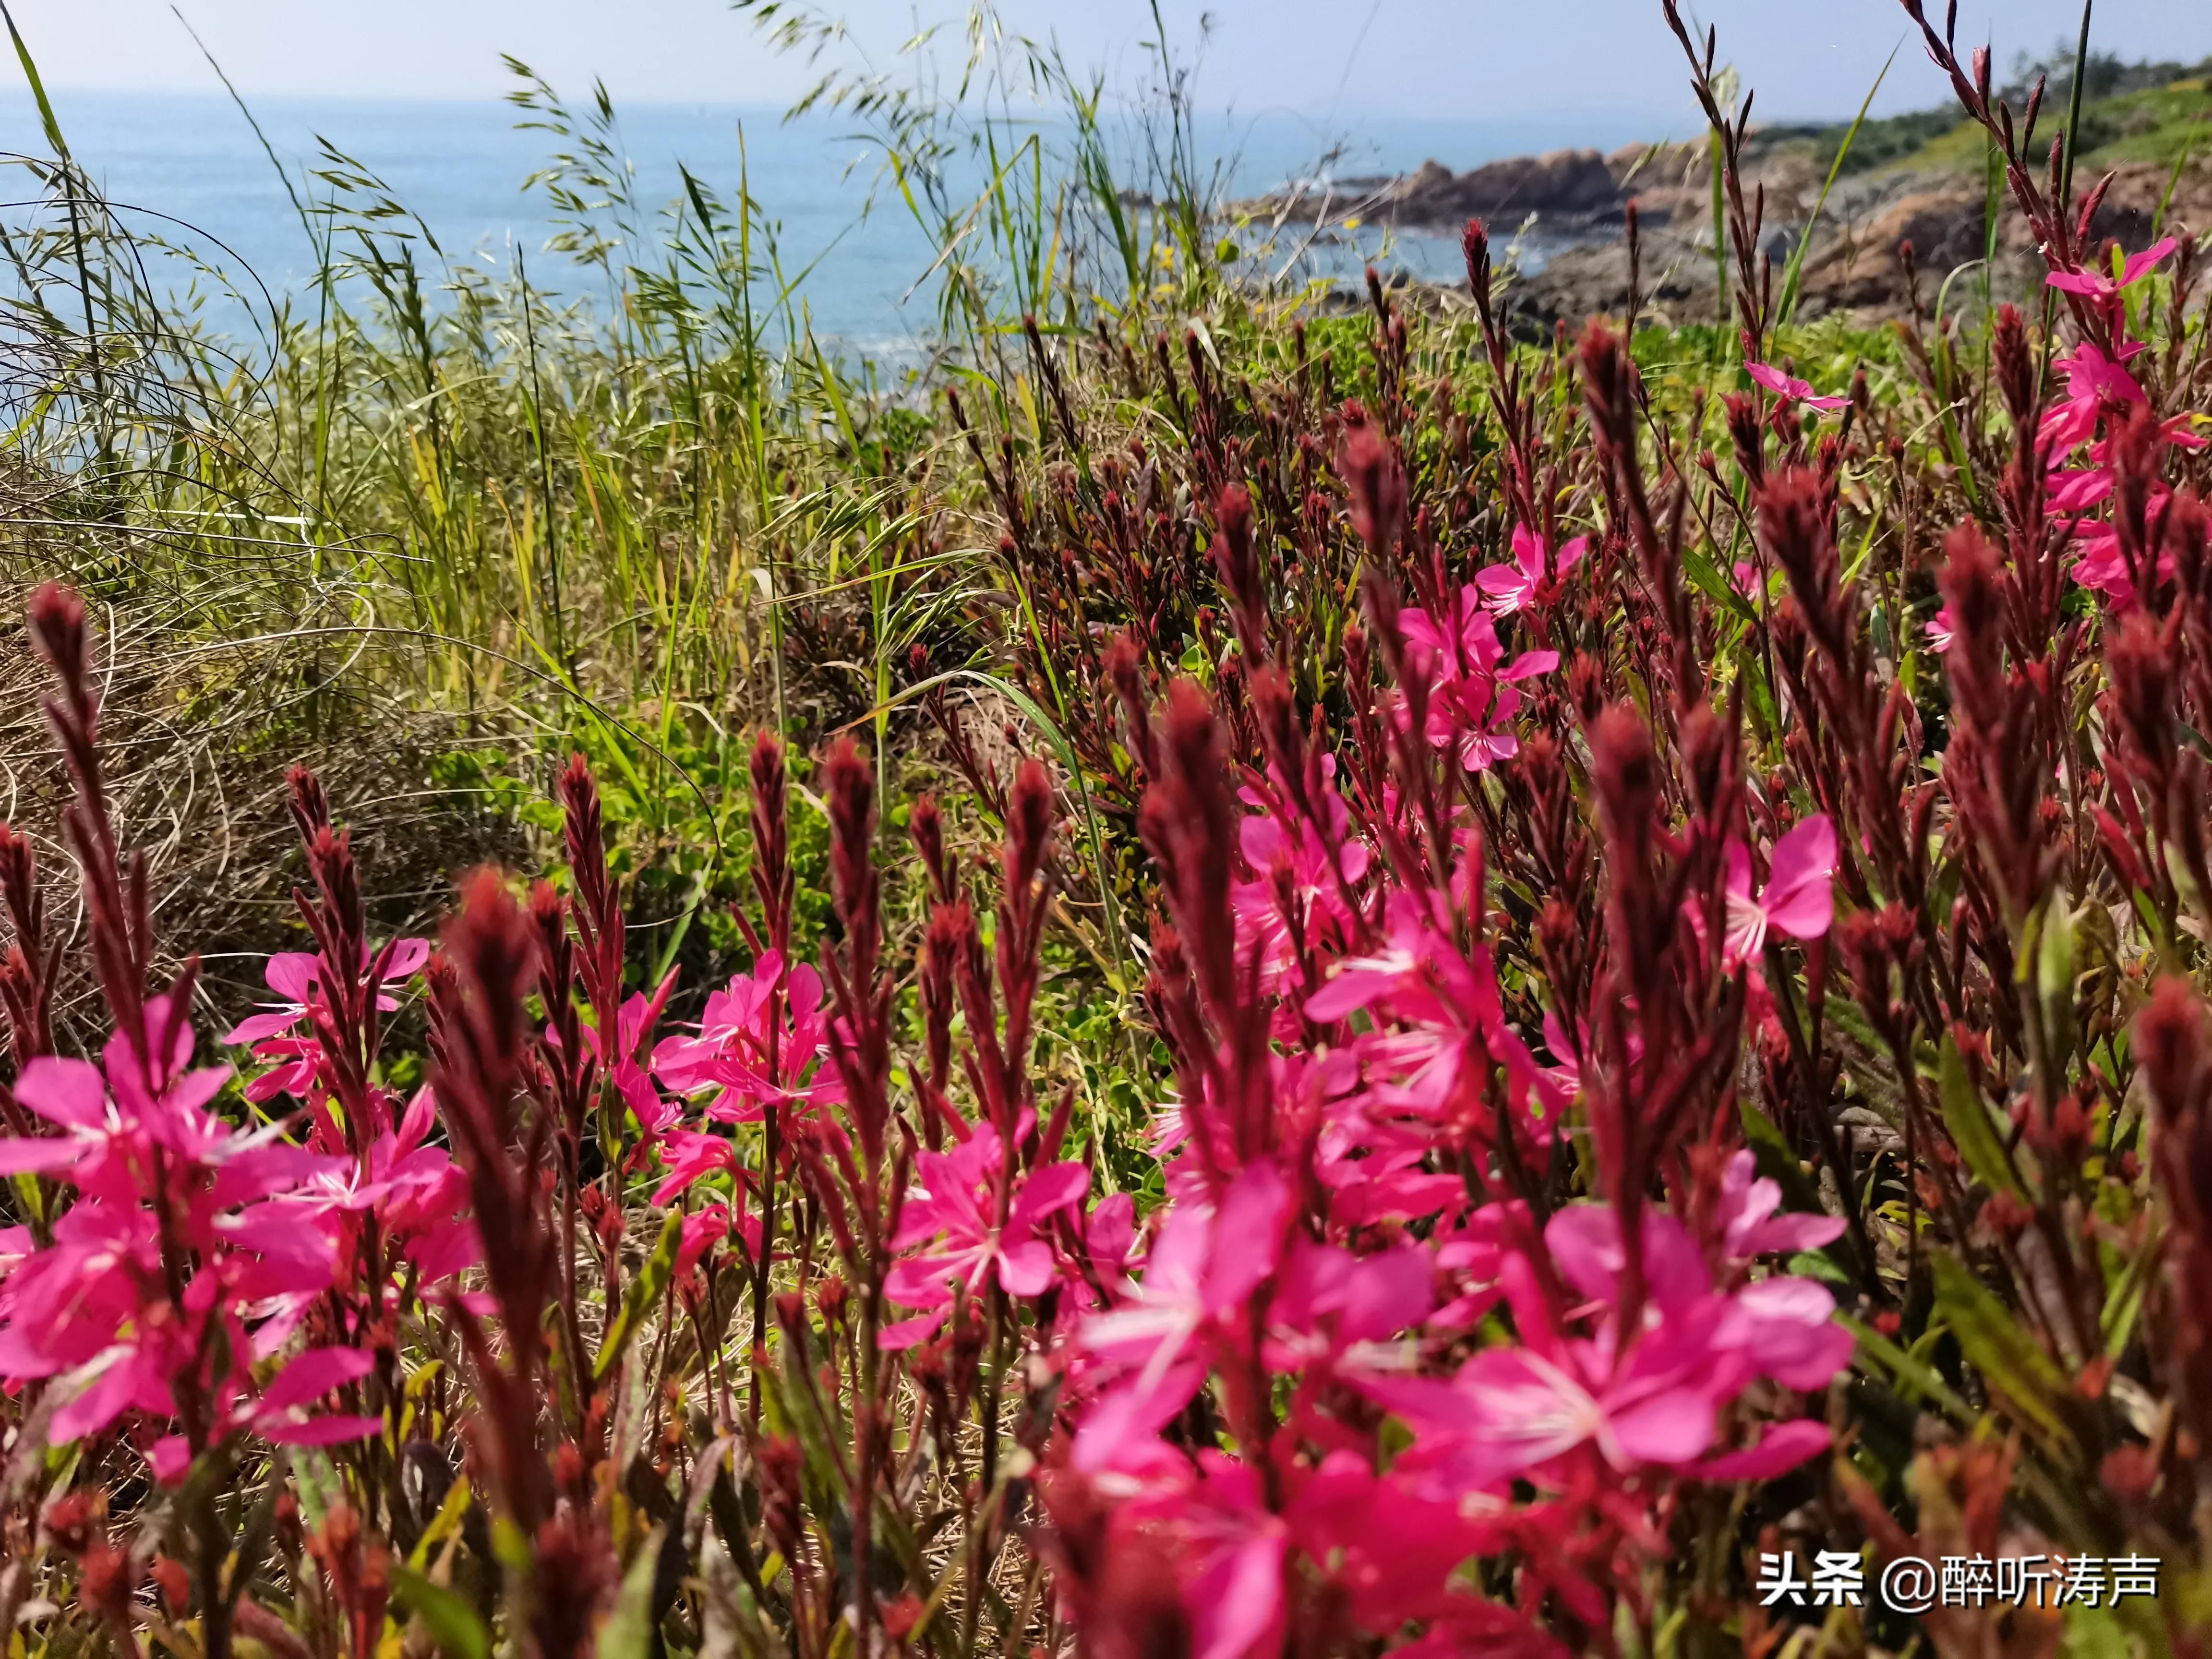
(1906, 208)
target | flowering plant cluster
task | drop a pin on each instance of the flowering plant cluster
(1645, 1072)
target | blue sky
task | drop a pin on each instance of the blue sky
(1485, 59)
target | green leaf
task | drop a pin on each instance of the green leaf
(1772, 1154)
(2054, 984)
(451, 1622)
(628, 1633)
(644, 1291)
(1793, 275)
(53, 128)
(1813, 1264)
(1913, 1375)
(445, 1524)
(1972, 1130)
(316, 1483)
(1706, 576)
(2010, 1359)
(2123, 1301)
(27, 1193)
(2093, 1634)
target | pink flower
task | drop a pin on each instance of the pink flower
(416, 1195)
(1785, 1329)
(950, 1223)
(1204, 1265)
(705, 1228)
(1629, 1398)
(1790, 390)
(1391, 1550)
(1472, 702)
(2101, 566)
(640, 1015)
(64, 1307)
(2105, 290)
(1799, 899)
(1507, 588)
(1335, 1309)
(111, 1122)
(688, 1156)
(1748, 1219)
(2078, 489)
(281, 1412)
(1517, 1408)
(2096, 384)
(276, 1035)
(1290, 858)
(97, 1308)
(1230, 1548)
(748, 1057)
(1943, 630)
(1419, 974)
(1110, 1242)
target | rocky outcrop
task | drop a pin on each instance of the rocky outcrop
(1569, 184)
(1578, 198)
(1854, 267)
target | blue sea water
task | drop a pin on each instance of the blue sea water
(191, 169)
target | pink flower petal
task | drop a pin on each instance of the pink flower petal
(408, 955)
(1784, 1447)
(170, 1458)
(1026, 1268)
(110, 1394)
(908, 1333)
(1247, 1235)
(69, 1092)
(38, 1156)
(1238, 1600)
(292, 974)
(314, 1374)
(2139, 266)
(1775, 381)
(1049, 1190)
(257, 1028)
(1672, 1426)
(1528, 664)
(1800, 898)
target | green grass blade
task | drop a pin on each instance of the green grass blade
(46, 119)
(2073, 106)
(1794, 274)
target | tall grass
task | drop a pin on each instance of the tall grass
(619, 497)
(638, 520)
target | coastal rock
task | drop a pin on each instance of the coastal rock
(1572, 183)
(1948, 226)
(1852, 270)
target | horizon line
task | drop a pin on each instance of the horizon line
(1334, 116)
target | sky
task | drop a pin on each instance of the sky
(1437, 59)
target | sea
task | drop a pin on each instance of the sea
(191, 171)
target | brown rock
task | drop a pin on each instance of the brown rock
(1946, 227)
(1574, 183)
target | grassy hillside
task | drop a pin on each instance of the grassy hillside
(2131, 113)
